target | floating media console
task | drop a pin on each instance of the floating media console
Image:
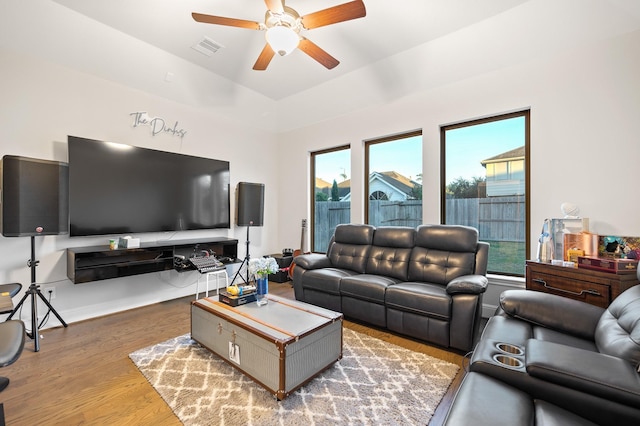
(85, 264)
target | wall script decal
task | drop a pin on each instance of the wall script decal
(157, 124)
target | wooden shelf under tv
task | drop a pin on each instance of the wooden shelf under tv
(86, 264)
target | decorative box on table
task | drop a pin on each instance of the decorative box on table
(611, 265)
(580, 244)
(619, 246)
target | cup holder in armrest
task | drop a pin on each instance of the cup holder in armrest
(508, 361)
(497, 358)
(508, 348)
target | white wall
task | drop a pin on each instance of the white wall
(574, 63)
(585, 104)
(42, 103)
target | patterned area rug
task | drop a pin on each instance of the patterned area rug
(375, 383)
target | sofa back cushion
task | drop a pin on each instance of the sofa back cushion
(391, 251)
(442, 253)
(350, 247)
(618, 331)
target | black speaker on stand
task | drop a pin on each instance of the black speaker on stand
(250, 212)
(35, 201)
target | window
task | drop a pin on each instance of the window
(378, 195)
(331, 205)
(486, 185)
(394, 185)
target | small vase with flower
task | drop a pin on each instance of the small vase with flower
(260, 268)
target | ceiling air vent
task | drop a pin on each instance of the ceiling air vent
(207, 47)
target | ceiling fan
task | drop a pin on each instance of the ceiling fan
(283, 26)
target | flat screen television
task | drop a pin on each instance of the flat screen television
(122, 189)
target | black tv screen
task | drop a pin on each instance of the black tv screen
(122, 189)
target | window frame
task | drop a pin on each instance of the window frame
(526, 114)
(313, 155)
(367, 145)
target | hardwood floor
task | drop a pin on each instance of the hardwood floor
(82, 374)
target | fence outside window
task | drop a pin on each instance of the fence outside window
(499, 220)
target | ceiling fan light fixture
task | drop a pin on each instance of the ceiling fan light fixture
(282, 39)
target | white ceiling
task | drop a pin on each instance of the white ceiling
(412, 47)
(388, 29)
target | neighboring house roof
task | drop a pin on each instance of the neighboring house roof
(344, 188)
(398, 181)
(400, 178)
(397, 185)
(325, 187)
(321, 183)
(514, 154)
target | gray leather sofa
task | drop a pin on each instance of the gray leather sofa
(559, 360)
(425, 282)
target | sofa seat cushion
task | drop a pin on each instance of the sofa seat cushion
(366, 287)
(483, 400)
(325, 280)
(425, 299)
(551, 415)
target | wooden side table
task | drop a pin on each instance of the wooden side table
(594, 287)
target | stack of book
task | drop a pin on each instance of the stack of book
(238, 295)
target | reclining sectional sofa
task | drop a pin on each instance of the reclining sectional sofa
(425, 282)
(548, 360)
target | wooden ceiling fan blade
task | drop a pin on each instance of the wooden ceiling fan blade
(230, 22)
(264, 59)
(313, 50)
(344, 12)
(275, 6)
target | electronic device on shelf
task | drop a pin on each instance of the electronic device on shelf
(206, 264)
(180, 262)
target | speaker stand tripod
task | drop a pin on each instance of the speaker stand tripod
(245, 261)
(33, 291)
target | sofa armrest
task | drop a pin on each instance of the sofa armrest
(590, 372)
(468, 284)
(312, 261)
(549, 310)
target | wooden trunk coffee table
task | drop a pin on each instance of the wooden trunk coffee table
(281, 345)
